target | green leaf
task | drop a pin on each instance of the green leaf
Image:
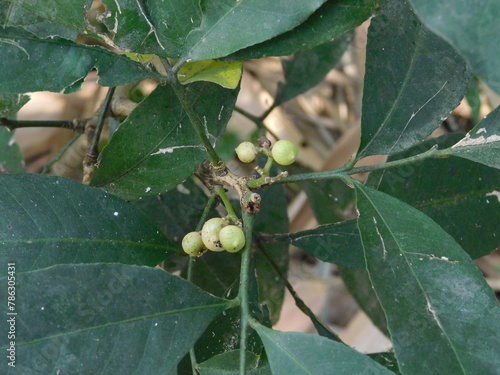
(471, 27)
(301, 353)
(195, 31)
(54, 64)
(224, 73)
(153, 26)
(482, 144)
(427, 284)
(306, 69)
(329, 199)
(223, 334)
(413, 81)
(177, 211)
(228, 364)
(11, 103)
(458, 194)
(387, 359)
(272, 218)
(58, 18)
(337, 243)
(156, 148)
(230, 26)
(51, 220)
(11, 159)
(359, 285)
(330, 21)
(106, 318)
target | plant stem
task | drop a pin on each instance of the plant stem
(231, 215)
(93, 150)
(243, 291)
(58, 156)
(199, 128)
(77, 125)
(344, 172)
(259, 121)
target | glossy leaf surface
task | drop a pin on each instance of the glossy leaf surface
(440, 292)
(458, 194)
(156, 147)
(55, 64)
(11, 159)
(195, 31)
(471, 27)
(51, 220)
(482, 144)
(302, 353)
(337, 243)
(11, 103)
(330, 21)
(228, 364)
(413, 81)
(107, 319)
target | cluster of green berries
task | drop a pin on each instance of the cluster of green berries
(216, 235)
(284, 152)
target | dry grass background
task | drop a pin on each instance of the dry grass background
(325, 122)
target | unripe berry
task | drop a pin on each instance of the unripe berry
(232, 238)
(246, 152)
(284, 152)
(192, 244)
(210, 233)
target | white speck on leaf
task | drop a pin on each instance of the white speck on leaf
(494, 193)
(183, 190)
(380, 236)
(148, 189)
(482, 130)
(116, 213)
(468, 141)
(169, 150)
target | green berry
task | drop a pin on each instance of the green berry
(284, 152)
(232, 238)
(192, 244)
(210, 233)
(246, 152)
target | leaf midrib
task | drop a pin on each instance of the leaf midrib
(414, 275)
(125, 321)
(390, 113)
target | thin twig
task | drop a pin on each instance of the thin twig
(257, 120)
(93, 150)
(77, 125)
